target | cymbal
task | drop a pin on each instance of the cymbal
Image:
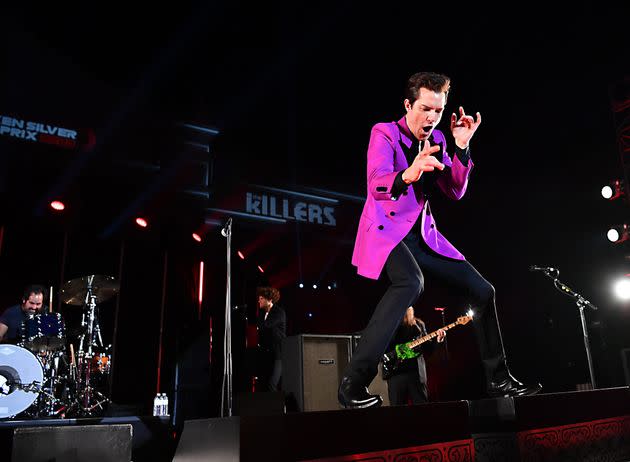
(74, 291)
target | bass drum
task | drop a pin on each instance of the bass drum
(18, 369)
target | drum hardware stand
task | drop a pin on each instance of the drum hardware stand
(226, 386)
(581, 303)
(86, 397)
(85, 401)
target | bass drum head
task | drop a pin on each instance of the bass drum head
(17, 366)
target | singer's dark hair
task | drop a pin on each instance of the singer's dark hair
(34, 289)
(430, 81)
(269, 293)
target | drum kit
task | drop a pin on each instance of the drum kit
(43, 376)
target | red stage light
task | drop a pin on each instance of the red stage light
(200, 285)
(142, 222)
(196, 237)
(260, 269)
(58, 205)
(240, 254)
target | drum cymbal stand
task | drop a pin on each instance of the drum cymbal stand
(91, 324)
(88, 398)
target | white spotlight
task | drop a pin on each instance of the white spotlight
(314, 286)
(622, 289)
(612, 235)
(618, 233)
(607, 192)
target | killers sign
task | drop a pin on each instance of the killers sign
(290, 205)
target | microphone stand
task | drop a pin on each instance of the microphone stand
(581, 303)
(226, 388)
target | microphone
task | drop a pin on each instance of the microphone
(542, 268)
(226, 227)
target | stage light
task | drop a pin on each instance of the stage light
(329, 288)
(240, 254)
(314, 286)
(310, 315)
(300, 285)
(196, 237)
(142, 222)
(58, 205)
(618, 233)
(607, 192)
(260, 269)
(200, 292)
(613, 190)
(622, 288)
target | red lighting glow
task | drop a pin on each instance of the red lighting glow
(240, 254)
(58, 205)
(260, 269)
(142, 222)
(196, 237)
(200, 284)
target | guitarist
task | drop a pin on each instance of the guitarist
(408, 383)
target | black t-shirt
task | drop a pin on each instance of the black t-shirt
(13, 318)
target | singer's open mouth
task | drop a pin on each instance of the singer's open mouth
(427, 128)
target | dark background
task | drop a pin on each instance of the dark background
(293, 91)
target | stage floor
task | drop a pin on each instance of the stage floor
(572, 426)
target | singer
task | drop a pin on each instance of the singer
(407, 162)
(272, 329)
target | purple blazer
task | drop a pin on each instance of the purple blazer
(386, 220)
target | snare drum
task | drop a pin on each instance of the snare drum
(44, 331)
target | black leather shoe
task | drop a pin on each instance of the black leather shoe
(353, 395)
(511, 387)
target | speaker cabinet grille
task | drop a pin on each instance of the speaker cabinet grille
(312, 369)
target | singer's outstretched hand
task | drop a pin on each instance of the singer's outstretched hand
(424, 162)
(464, 127)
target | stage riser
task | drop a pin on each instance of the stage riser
(501, 430)
(603, 440)
(455, 451)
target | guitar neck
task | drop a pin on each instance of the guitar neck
(431, 336)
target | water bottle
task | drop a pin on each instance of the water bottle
(165, 404)
(156, 405)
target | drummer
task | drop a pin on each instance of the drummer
(12, 318)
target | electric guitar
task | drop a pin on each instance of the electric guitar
(393, 359)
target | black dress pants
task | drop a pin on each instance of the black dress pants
(405, 266)
(406, 387)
